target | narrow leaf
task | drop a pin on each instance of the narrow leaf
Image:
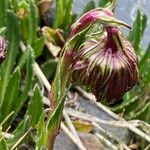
(3, 14)
(35, 108)
(102, 3)
(28, 80)
(33, 22)
(29, 76)
(49, 68)
(41, 132)
(89, 6)
(21, 129)
(63, 13)
(3, 145)
(13, 37)
(38, 45)
(11, 95)
(136, 34)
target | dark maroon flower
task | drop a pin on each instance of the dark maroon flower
(3, 45)
(107, 64)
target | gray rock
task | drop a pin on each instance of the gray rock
(119, 133)
(91, 142)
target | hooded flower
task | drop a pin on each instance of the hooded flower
(107, 62)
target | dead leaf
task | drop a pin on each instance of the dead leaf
(53, 49)
(54, 40)
(44, 6)
(83, 126)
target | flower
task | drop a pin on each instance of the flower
(107, 64)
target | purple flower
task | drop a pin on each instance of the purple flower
(107, 64)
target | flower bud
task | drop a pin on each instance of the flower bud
(3, 45)
(106, 64)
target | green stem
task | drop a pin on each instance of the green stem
(61, 82)
(57, 97)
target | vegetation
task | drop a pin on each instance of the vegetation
(36, 35)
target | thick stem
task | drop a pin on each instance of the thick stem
(57, 94)
(51, 138)
(57, 98)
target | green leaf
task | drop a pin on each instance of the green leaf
(2, 30)
(145, 59)
(3, 145)
(59, 12)
(68, 13)
(136, 34)
(41, 134)
(23, 59)
(21, 129)
(33, 22)
(142, 114)
(3, 14)
(144, 67)
(63, 13)
(29, 75)
(35, 108)
(38, 45)
(15, 5)
(62, 71)
(11, 96)
(102, 3)
(90, 5)
(49, 68)
(28, 80)
(55, 118)
(13, 36)
(125, 105)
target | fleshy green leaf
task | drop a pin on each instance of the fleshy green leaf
(142, 114)
(3, 145)
(3, 14)
(13, 36)
(28, 79)
(23, 58)
(41, 132)
(125, 104)
(49, 68)
(145, 59)
(38, 45)
(102, 3)
(11, 95)
(144, 67)
(21, 129)
(2, 30)
(35, 108)
(63, 13)
(33, 22)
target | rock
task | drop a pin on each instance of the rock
(91, 142)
